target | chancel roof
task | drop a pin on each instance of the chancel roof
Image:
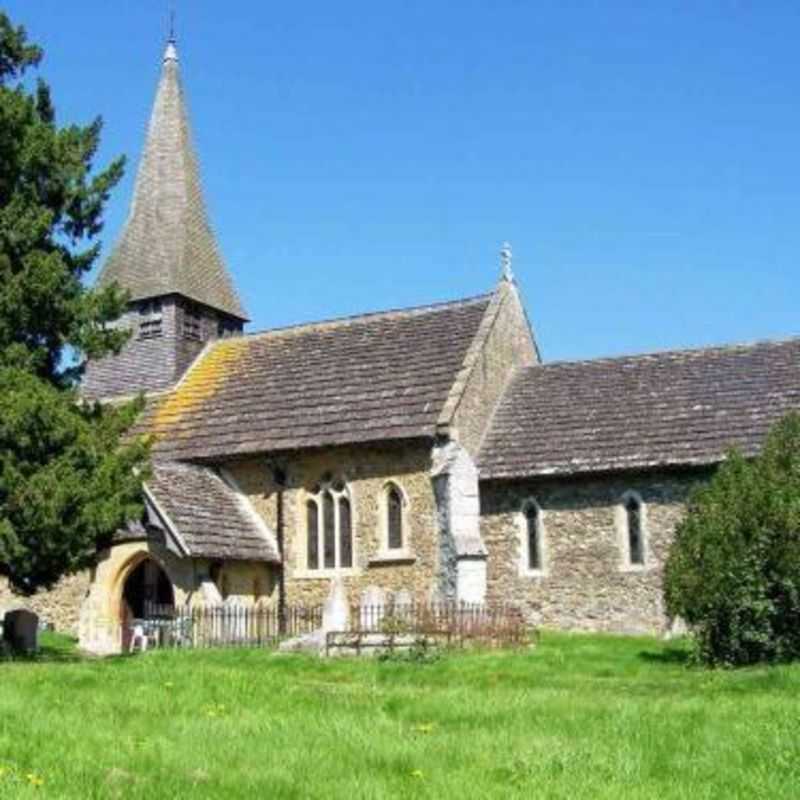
(167, 245)
(677, 408)
(367, 378)
(207, 516)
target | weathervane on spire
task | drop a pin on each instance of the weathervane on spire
(171, 53)
(506, 257)
(171, 23)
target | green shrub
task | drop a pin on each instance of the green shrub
(733, 573)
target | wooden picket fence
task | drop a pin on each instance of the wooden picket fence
(223, 625)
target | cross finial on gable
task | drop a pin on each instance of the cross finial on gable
(506, 257)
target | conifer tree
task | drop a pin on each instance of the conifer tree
(68, 480)
(733, 572)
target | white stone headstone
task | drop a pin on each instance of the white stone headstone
(373, 596)
(20, 630)
(403, 598)
(209, 592)
(336, 612)
(373, 605)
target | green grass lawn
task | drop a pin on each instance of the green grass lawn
(579, 717)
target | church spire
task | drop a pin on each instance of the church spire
(167, 246)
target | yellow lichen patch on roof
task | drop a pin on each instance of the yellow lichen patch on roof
(201, 383)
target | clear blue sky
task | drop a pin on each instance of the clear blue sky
(643, 158)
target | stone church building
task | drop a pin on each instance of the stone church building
(425, 452)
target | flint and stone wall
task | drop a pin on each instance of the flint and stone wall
(366, 470)
(586, 582)
(60, 606)
(242, 582)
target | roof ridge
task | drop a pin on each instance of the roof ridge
(369, 315)
(678, 351)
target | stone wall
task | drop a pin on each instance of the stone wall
(366, 470)
(241, 582)
(60, 606)
(586, 582)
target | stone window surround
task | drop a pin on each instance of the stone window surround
(385, 554)
(522, 527)
(621, 522)
(303, 571)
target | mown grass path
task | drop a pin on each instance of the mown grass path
(580, 717)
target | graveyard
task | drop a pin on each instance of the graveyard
(578, 716)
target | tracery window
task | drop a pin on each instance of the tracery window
(329, 527)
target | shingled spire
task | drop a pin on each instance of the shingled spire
(167, 259)
(167, 246)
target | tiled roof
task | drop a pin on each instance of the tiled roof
(665, 409)
(167, 245)
(368, 378)
(208, 517)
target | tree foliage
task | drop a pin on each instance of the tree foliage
(66, 481)
(733, 573)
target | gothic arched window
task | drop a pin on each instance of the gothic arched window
(345, 533)
(635, 529)
(312, 526)
(394, 518)
(329, 528)
(531, 539)
(533, 532)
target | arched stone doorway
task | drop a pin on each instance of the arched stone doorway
(146, 592)
(117, 591)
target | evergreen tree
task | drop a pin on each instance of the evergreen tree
(733, 572)
(67, 479)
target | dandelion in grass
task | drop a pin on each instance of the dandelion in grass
(34, 779)
(418, 774)
(425, 727)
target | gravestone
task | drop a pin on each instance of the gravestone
(373, 607)
(336, 612)
(403, 598)
(373, 596)
(20, 630)
(335, 617)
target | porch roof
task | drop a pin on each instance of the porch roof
(207, 516)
